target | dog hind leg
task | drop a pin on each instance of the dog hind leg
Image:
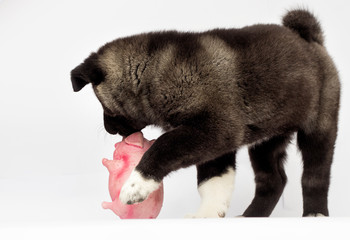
(267, 161)
(317, 150)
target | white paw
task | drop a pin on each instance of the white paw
(315, 215)
(137, 188)
(206, 215)
(216, 196)
(214, 211)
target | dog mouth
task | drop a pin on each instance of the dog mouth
(119, 125)
(111, 130)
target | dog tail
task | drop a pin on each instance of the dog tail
(305, 24)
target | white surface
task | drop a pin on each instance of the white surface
(52, 140)
(239, 228)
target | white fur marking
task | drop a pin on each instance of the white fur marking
(216, 196)
(315, 215)
(137, 188)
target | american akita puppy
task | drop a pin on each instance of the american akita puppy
(213, 92)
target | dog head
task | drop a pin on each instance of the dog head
(107, 90)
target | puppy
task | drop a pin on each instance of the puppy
(213, 92)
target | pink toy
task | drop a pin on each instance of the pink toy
(127, 155)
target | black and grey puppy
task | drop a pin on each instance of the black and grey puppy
(213, 92)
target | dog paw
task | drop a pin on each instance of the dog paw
(207, 214)
(315, 215)
(137, 188)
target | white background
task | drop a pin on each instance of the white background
(52, 140)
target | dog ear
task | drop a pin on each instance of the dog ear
(87, 72)
(78, 78)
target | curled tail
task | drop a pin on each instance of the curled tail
(305, 24)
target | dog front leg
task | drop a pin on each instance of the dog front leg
(179, 148)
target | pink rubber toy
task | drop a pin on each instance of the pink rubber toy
(127, 155)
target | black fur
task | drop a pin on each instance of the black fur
(186, 43)
(317, 150)
(216, 167)
(267, 161)
(118, 124)
(87, 72)
(305, 24)
(215, 91)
